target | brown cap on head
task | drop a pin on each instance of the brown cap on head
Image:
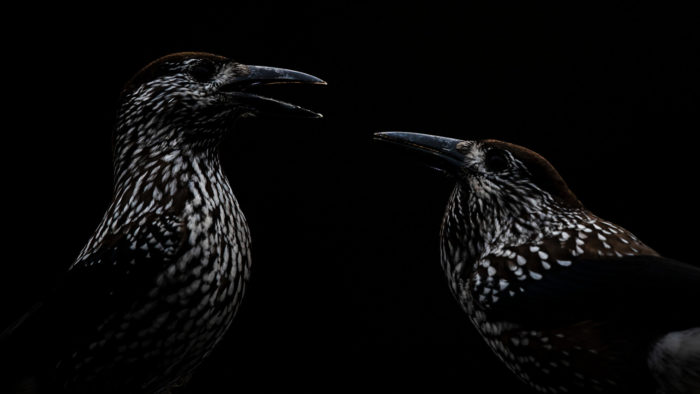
(543, 173)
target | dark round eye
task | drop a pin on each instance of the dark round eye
(203, 71)
(496, 160)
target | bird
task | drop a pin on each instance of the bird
(158, 284)
(568, 301)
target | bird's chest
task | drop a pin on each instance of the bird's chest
(551, 360)
(476, 285)
(201, 291)
(216, 261)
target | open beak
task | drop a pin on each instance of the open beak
(441, 148)
(262, 75)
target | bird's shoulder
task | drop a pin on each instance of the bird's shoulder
(581, 271)
(148, 236)
(514, 265)
(131, 256)
(546, 286)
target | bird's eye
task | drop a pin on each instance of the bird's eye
(496, 160)
(203, 71)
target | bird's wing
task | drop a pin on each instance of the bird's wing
(121, 270)
(601, 314)
(650, 290)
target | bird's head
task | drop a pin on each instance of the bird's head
(193, 97)
(498, 177)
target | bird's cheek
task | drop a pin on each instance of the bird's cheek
(228, 110)
(232, 114)
(481, 188)
(209, 112)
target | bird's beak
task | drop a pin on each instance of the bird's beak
(262, 75)
(441, 148)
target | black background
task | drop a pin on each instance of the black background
(347, 290)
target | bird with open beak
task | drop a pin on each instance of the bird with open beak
(158, 284)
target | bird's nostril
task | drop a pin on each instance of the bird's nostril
(462, 146)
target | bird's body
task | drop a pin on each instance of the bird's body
(508, 267)
(182, 212)
(158, 284)
(571, 303)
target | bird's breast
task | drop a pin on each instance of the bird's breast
(218, 242)
(553, 360)
(201, 291)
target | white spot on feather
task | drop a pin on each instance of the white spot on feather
(491, 271)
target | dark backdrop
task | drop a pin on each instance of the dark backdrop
(347, 290)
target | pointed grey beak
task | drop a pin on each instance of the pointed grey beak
(263, 75)
(442, 148)
(273, 75)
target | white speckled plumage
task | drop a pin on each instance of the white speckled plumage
(495, 215)
(159, 282)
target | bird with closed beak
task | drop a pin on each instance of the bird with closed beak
(158, 284)
(569, 302)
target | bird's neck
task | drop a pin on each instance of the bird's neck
(474, 227)
(161, 182)
(164, 168)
